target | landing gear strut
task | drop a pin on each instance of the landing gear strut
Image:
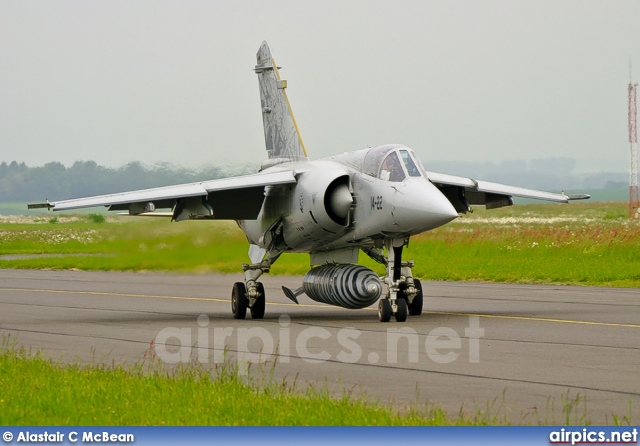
(404, 295)
(258, 307)
(252, 294)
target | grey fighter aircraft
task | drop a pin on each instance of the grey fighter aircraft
(371, 200)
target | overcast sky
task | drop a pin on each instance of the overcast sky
(118, 81)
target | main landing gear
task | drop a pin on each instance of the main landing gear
(251, 295)
(404, 295)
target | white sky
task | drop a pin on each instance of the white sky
(118, 81)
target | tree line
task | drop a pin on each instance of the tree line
(55, 181)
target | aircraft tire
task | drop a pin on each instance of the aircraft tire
(257, 311)
(239, 301)
(384, 310)
(415, 307)
(401, 315)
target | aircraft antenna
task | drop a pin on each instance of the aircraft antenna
(633, 147)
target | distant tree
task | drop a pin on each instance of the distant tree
(615, 185)
(15, 167)
(86, 178)
(553, 166)
(54, 181)
(48, 181)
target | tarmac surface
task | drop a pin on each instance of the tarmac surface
(526, 351)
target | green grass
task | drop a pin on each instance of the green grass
(585, 244)
(580, 243)
(37, 391)
(129, 244)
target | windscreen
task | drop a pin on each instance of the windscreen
(391, 169)
(412, 169)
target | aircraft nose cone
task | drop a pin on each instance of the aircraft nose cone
(420, 206)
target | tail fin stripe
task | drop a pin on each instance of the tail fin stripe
(286, 98)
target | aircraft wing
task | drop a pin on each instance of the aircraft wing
(235, 198)
(463, 191)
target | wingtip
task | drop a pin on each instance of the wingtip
(46, 205)
(578, 197)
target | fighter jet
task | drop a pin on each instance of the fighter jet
(371, 200)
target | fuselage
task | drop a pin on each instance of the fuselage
(350, 200)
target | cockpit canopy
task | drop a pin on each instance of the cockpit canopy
(392, 163)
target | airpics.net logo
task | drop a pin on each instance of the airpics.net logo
(592, 436)
(284, 342)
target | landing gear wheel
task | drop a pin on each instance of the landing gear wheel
(415, 307)
(401, 315)
(239, 301)
(257, 311)
(402, 292)
(384, 310)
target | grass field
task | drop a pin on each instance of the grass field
(37, 391)
(580, 243)
(146, 394)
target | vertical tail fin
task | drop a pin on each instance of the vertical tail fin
(281, 133)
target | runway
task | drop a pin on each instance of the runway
(525, 349)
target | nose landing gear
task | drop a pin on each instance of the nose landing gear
(404, 296)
